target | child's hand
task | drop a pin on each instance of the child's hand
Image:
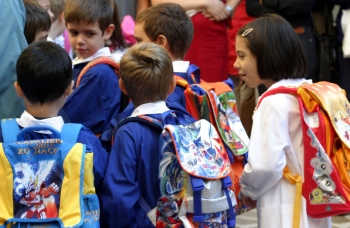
(248, 201)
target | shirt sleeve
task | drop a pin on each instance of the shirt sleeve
(96, 100)
(120, 191)
(267, 151)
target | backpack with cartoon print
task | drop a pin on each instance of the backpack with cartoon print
(324, 111)
(216, 103)
(194, 174)
(46, 182)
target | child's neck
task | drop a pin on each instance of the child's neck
(43, 111)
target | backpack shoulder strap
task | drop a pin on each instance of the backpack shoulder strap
(100, 60)
(281, 89)
(142, 119)
(70, 132)
(180, 81)
(194, 72)
(9, 130)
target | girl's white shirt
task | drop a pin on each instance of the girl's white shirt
(277, 140)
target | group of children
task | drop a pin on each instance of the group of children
(268, 51)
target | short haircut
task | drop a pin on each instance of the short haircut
(276, 46)
(146, 71)
(172, 21)
(56, 7)
(37, 20)
(90, 11)
(44, 72)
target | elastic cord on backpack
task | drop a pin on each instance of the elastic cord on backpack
(226, 183)
(197, 186)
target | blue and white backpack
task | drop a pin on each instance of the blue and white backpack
(46, 182)
(194, 174)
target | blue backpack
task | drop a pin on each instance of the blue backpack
(47, 182)
(194, 174)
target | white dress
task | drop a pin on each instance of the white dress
(276, 140)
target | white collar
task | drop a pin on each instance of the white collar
(27, 120)
(180, 66)
(101, 52)
(150, 108)
(290, 82)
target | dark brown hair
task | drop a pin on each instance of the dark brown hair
(44, 72)
(56, 7)
(89, 11)
(276, 47)
(37, 20)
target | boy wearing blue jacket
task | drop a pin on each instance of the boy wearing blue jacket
(96, 97)
(44, 80)
(146, 75)
(169, 26)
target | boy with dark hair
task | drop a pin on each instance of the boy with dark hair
(96, 97)
(44, 80)
(146, 75)
(38, 22)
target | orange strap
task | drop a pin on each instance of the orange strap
(295, 180)
(100, 60)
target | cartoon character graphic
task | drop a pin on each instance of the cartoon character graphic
(168, 210)
(34, 198)
(316, 196)
(323, 169)
(36, 189)
(320, 166)
(234, 141)
(173, 178)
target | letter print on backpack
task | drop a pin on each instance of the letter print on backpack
(47, 182)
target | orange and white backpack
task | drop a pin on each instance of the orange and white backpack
(324, 111)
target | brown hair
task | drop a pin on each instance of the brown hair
(90, 11)
(56, 7)
(146, 71)
(37, 20)
(172, 21)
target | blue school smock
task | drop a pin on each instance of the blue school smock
(92, 143)
(135, 160)
(97, 98)
(13, 42)
(171, 102)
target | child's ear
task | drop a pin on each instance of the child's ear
(108, 32)
(61, 18)
(172, 86)
(18, 89)
(162, 41)
(69, 89)
(122, 87)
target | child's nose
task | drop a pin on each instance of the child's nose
(80, 39)
(236, 65)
